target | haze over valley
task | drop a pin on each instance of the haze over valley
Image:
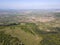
(29, 22)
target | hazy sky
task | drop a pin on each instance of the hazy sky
(29, 4)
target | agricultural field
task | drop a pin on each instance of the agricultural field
(30, 28)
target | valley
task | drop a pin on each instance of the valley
(29, 27)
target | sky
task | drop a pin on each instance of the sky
(29, 4)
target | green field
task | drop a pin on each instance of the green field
(30, 34)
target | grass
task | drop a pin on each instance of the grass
(25, 33)
(32, 34)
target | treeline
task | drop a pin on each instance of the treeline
(10, 24)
